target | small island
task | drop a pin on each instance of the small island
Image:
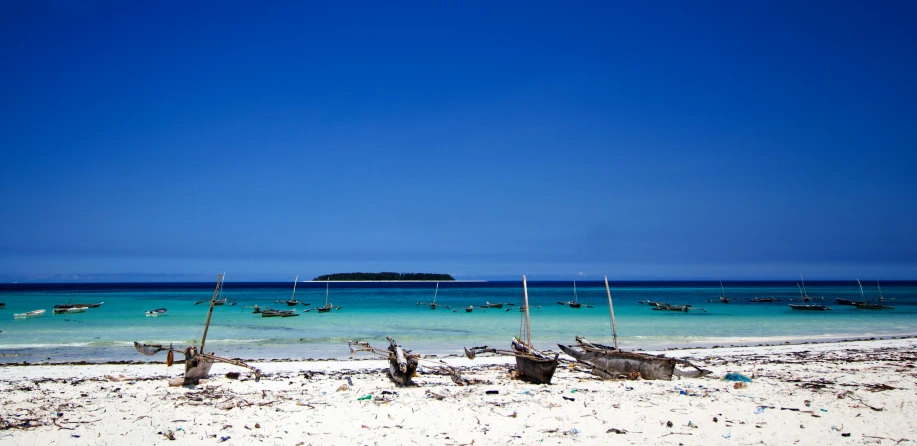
(382, 276)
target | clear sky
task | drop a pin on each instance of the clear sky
(669, 140)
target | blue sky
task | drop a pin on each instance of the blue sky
(485, 139)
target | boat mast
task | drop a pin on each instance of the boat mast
(861, 289)
(293, 297)
(611, 310)
(804, 287)
(527, 336)
(435, 293)
(210, 311)
(880, 290)
(722, 288)
(326, 292)
(574, 291)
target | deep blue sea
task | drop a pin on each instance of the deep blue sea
(370, 311)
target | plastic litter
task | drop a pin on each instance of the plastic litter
(759, 409)
(222, 439)
(492, 392)
(365, 397)
(574, 431)
(736, 377)
(569, 399)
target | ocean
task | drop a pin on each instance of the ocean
(370, 311)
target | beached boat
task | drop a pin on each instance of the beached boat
(29, 314)
(575, 302)
(532, 365)
(197, 362)
(809, 307)
(69, 310)
(609, 362)
(402, 364)
(156, 312)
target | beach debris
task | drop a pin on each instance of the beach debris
(740, 385)
(232, 375)
(878, 387)
(170, 435)
(492, 392)
(732, 376)
(616, 431)
(343, 388)
(365, 397)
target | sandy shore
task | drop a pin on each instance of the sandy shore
(838, 393)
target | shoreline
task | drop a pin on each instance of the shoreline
(6, 357)
(857, 391)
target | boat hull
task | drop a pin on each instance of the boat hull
(536, 370)
(612, 364)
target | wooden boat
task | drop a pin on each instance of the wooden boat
(803, 293)
(490, 305)
(271, 313)
(29, 314)
(156, 312)
(289, 313)
(809, 307)
(402, 364)
(2, 305)
(79, 305)
(575, 302)
(432, 304)
(327, 306)
(762, 299)
(609, 362)
(532, 365)
(723, 298)
(69, 310)
(197, 363)
(469, 309)
(293, 302)
(840, 301)
(872, 306)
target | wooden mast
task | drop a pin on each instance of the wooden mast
(525, 301)
(611, 310)
(294, 287)
(326, 292)
(210, 311)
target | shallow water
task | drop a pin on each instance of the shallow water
(372, 311)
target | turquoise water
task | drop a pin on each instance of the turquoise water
(372, 311)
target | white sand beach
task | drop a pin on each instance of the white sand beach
(862, 392)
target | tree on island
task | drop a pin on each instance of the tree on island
(382, 276)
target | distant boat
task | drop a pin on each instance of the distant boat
(156, 312)
(435, 293)
(69, 309)
(327, 306)
(762, 299)
(871, 306)
(293, 302)
(803, 293)
(848, 302)
(575, 302)
(723, 298)
(810, 307)
(469, 309)
(28, 314)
